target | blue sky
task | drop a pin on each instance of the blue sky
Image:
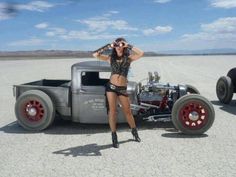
(152, 25)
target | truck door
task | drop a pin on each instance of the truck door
(92, 99)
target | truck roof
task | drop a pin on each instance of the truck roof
(92, 65)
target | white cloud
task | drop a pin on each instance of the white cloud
(85, 35)
(227, 4)
(56, 32)
(4, 16)
(221, 29)
(110, 13)
(28, 42)
(41, 25)
(103, 23)
(220, 33)
(114, 12)
(79, 34)
(97, 28)
(162, 1)
(157, 30)
(39, 6)
(222, 25)
(50, 33)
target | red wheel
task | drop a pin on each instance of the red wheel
(34, 110)
(193, 114)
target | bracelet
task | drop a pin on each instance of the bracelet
(130, 46)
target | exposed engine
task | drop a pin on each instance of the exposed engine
(155, 97)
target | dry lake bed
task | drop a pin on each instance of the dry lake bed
(71, 149)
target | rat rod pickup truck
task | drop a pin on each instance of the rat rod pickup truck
(83, 99)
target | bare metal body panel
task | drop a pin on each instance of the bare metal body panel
(82, 98)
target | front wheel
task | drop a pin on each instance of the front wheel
(193, 114)
(34, 110)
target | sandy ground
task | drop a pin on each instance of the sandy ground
(70, 149)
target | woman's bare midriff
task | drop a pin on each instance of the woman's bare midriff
(118, 80)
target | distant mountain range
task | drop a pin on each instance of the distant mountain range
(46, 53)
(200, 52)
(87, 54)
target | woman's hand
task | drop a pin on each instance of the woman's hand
(114, 44)
(127, 45)
(96, 54)
(124, 44)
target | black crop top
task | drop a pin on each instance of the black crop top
(121, 68)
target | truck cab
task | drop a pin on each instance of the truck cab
(89, 103)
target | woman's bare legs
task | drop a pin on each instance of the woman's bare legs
(112, 101)
(112, 97)
(125, 103)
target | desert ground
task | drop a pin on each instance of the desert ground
(71, 149)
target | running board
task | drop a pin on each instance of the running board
(143, 106)
(149, 105)
(157, 118)
(137, 107)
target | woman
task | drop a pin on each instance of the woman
(122, 55)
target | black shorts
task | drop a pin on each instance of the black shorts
(119, 90)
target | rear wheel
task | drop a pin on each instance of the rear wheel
(34, 110)
(193, 114)
(224, 89)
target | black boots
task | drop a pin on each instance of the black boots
(135, 134)
(115, 143)
(114, 140)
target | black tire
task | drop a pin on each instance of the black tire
(224, 89)
(34, 110)
(191, 89)
(193, 114)
(232, 75)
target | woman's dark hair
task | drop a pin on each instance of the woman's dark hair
(125, 51)
(120, 39)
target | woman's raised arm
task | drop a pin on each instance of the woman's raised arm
(97, 53)
(137, 53)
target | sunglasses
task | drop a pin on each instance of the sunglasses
(118, 44)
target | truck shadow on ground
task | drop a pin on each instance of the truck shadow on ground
(63, 127)
(177, 134)
(94, 149)
(230, 108)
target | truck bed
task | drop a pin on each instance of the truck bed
(58, 90)
(49, 83)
